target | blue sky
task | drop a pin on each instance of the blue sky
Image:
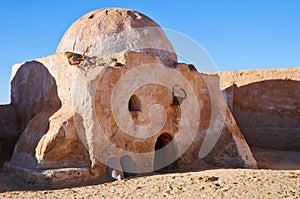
(236, 34)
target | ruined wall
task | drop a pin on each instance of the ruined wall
(266, 105)
(42, 97)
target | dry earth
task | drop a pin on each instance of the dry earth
(216, 183)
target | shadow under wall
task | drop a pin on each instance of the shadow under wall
(268, 113)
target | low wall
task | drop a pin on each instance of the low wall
(266, 105)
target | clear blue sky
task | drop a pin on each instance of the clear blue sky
(236, 34)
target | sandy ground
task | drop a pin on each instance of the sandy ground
(283, 181)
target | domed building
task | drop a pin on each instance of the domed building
(109, 31)
(114, 102)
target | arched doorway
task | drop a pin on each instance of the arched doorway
(165, 157)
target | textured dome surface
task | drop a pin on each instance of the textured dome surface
(113, 30)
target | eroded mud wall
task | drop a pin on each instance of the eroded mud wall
(266, 105)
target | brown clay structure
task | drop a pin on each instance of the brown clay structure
(114, 102)
(265, 104)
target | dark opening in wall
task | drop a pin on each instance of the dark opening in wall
(165, 154)
(179, 94)
(175, 101)
(134, 104)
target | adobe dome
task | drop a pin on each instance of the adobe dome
(112, 30)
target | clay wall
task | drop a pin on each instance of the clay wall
(266, 105)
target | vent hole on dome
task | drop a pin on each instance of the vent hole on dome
(91, 17)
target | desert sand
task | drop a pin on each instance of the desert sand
(278, 178)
